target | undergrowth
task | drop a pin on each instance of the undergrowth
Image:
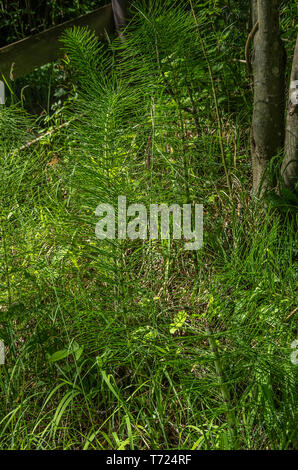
(120, 344)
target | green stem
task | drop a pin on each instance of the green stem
(231, 419)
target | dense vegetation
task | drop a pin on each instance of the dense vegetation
(120, 344)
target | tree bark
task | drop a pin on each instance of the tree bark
(268, 65)
(254, 11)
(289, 169)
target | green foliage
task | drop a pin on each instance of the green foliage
(120, 344)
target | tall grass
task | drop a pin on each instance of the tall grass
(140, 344)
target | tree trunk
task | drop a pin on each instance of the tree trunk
(120, 10)
(254, 11)
(289, 169)
(268, 65)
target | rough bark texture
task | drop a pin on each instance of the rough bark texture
(268, 64)
(289, 169)
(254, 11)
(120, 9)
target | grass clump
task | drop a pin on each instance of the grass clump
(120, 344)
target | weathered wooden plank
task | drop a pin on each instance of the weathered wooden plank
(24, 56)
